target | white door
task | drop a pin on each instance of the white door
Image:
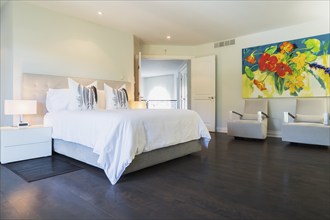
(203, 89)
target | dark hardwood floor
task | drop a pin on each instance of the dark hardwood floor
(232, 179)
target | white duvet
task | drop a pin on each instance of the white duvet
(118, 135)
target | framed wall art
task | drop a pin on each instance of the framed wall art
(295, 68)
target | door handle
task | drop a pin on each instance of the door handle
(211, 97)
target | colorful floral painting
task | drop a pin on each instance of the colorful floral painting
(287, 69)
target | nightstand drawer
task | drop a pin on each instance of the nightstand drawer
(23, 136)
(27, 151)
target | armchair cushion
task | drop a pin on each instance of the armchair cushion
(309, 118)
(248, 129)
(306, 133)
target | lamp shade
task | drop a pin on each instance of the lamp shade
(20, 107)
(137, 104)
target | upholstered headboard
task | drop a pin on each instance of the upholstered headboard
(35, 87)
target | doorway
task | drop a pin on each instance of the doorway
(193, 83)
(163, 83)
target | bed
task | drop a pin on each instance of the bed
(118, 141)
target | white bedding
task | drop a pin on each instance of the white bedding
(118, 135)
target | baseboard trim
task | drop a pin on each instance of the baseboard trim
(274, 134)
(221, 129)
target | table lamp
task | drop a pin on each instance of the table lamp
(137, 104)
(20, 107)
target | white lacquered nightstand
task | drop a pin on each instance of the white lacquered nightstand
(25, 143)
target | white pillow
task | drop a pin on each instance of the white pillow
(116, 98)
(309, 118)
(81, 97)
(57, 99)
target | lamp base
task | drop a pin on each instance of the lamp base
(23, 124)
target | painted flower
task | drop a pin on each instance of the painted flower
(268, 62)
(282, 69)
(295, 83)
(279, 56)
(286, 47)
(259, 84)
(299, 60)
(251, 59)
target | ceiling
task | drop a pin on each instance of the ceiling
(191, 22)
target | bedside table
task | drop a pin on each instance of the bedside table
(25, 143)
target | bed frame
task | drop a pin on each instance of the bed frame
(146, 159)
(35, 87)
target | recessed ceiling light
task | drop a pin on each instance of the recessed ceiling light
(100, 13)
(168, 37)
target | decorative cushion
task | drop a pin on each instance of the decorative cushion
(81, 97)
(116, 98)
(309, 118)
(57, 99)
(250, 117)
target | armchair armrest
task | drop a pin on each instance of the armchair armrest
(264, 114)
(240, 115)
(261, 116)
(326, 118)
(286, 116)
(231, 113)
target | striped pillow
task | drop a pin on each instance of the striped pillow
(89, 97)
(116, 98)
(82, 97)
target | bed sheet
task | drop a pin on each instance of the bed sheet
(117, 136)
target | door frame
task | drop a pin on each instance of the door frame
(182, 86)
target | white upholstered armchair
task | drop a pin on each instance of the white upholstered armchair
(309, 125)
(252, 123)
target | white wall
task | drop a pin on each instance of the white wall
(166, 81)
(6, 41)
(46, 42)
(168, 51)
(229, 65)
